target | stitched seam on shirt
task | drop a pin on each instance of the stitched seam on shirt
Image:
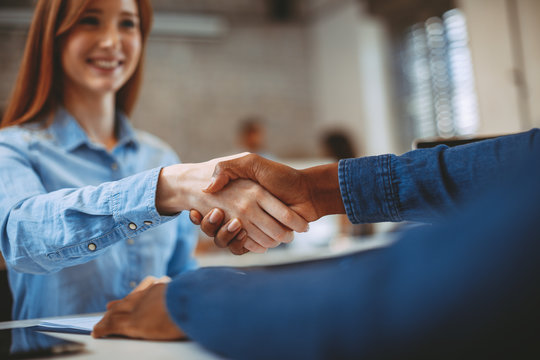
(150, 202)
(115, 199)
(344, 182)
(393, 200)
(85, 243)
(387, 188)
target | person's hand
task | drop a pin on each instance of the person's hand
(312, 193)
(223, 234)
(150, 280)
(145, 284)
(267, 221)
(141, 314)
(286, 183)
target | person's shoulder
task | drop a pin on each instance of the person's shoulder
(23, 136)
(153, 142)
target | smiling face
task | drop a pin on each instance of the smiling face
(102, 50)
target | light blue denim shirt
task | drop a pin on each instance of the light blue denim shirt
(78, 224)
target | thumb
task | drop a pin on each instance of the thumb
(226, 171)
(218, 182)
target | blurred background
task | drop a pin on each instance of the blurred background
(382, 73)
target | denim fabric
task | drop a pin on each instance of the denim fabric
(425, 184)
(464, 287)
(78, 224)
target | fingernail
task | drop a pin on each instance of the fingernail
(242, 235)
(212, 181)
(214, 217)
(194, 220)
(233, 226)
(307, 228)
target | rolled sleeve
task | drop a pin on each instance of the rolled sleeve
(368, 190)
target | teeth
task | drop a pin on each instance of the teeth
(106, 64)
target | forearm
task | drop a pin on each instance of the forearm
(323, 184)
(425, 184)
(49, 231)
(409, 300)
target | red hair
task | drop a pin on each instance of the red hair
(37, 90)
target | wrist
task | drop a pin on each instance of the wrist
(170, 195)
(180, 187)
(323, 185)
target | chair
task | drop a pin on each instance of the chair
(6, 300)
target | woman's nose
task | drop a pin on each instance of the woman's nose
(110, 37)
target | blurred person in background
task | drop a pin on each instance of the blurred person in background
(90, 206)
(252, 136)
(338, 146)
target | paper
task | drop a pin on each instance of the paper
(75, 325)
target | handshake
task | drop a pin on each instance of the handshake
(252, 203)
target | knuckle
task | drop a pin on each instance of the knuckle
(243, 208)
(288, 217)
(219, 242)
(208, 230)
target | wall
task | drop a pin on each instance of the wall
(350, 75)
(12, 49)
(529, 16)
(495, 63)
(195, 93)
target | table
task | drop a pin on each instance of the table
(120, 348)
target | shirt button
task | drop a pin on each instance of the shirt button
(147, 222)
(132, 226)
(114, 166)
(130, 241)
(132, 284)
(92, 247)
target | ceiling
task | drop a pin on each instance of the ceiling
(251, 10)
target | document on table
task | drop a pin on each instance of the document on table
(74, 325)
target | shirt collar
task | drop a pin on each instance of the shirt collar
(70, 135)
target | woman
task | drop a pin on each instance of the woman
(89, 206)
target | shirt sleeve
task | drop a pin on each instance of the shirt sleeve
(43, 232)
(425, 184)
(472, 291)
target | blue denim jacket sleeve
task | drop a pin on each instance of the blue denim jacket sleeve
(424, 184)
(471, 293)
(43, 232)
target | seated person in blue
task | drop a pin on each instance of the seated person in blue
(90, 206)
(465, 285)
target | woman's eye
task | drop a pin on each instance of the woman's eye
(128, 23)
(89, 20)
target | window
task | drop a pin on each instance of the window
(439, 94)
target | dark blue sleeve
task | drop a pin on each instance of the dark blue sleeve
(465, 288)
(423, 185)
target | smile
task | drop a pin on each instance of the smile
(105, 64)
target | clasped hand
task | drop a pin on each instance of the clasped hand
(293, 187)
(257, 218)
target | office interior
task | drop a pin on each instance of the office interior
(384, 72)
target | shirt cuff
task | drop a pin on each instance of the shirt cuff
(368, 190)
(133, 203)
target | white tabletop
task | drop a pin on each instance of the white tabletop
(120, 348)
